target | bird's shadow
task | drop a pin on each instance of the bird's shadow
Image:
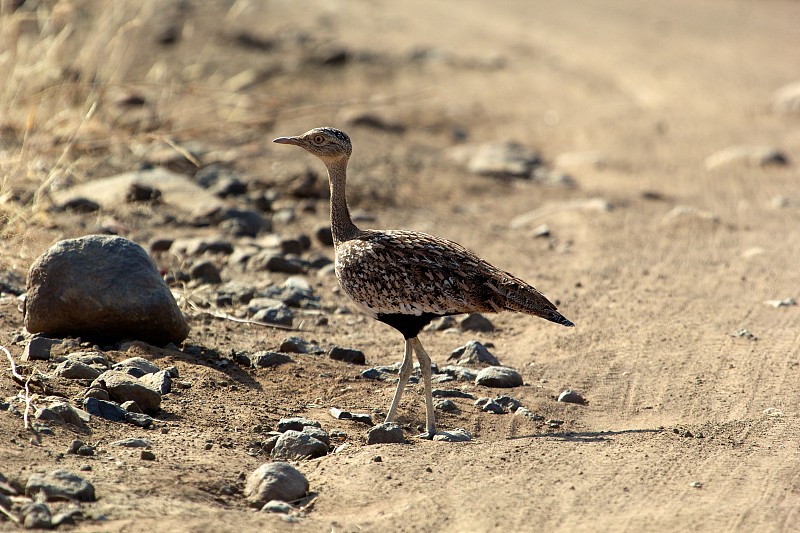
(585, 436)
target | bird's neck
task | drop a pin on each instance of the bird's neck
(342, 225)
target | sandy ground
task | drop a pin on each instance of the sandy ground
(688, 428)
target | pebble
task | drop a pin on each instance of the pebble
(268, 359)
(147, 455)
(295, 292)
(324, 235)
(453, 435)
(476, 322)
(746, 155)
(273, 262)
(71, 415)
(104, 409)
(451, 393)
(132, 442)
(139, 419)
(160, 381)
(502, 160)
(297, 444)
(473, 353)
(279, 314)
(67, 516)
(787, 98)
(512, 404)
(319, 434)
(102, 286)
(498, 376)
(296, 423)
(277, 506)
(348, 355)
(347, 415)
(75, 370)
(136, 366)
(786, 302)
(442, 324)
(36, 516)
(243, 222)
(97, 393)
(488, 405)
(38, 349)
(138, 192)
(123, 387)
(524, 411)
(205, 272)
(460, 373)
(385, 433)
(298, 345)
(446, 405)
(687, 212)
(131, 407)
(600, 205)
(570, 396)
(59, 485)
(275, 481)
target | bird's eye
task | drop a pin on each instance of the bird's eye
(318, 139)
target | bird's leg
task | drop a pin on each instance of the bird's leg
(405, 373)
(425, 367)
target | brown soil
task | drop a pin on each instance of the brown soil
(637, 94)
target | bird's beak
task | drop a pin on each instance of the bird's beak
(287, 140)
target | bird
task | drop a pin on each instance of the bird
(406, 279)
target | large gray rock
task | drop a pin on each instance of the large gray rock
(123, 387)
(297, 444)
(60, 485)
(275, 481)
(498, 376)
(101, 286)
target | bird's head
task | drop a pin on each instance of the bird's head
(329, 144)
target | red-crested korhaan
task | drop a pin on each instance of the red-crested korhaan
(406, 278)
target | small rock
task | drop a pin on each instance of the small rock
(541, 231)
(296, 444)
(786, 302)
(123, 387)
(206, 272)
(511, 404)
(385, 433)
(787, 98)
(503, 160)
(318, 433)
(298, 345)
(101, 286)
(488, 405)
(747, 155)
(452, 393)
(475, 322)
(147, 455)
(348, 355)
(104, 409)
(38, 349)
(269, 359)
(131, 407)
(139, 419)
(277, 506)
(744, 333)
(275, 481)
(136, 367)
(686, 212)
(570, 396)
(75, 370)
(324, 235)
(278, 314)
(59, 485)
(446, 405)
(473, 353)
(461, 373)
(140, 192)
(161, 381)
(132, 442)
(71, 415)
(98, 393)
(455, 435)
(441, 324)
(523, 411)
(67, 516)
(498, 376)
(296, 424)
(36, 516)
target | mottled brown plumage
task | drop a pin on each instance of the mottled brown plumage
(406, 278)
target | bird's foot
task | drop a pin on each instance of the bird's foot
(428, 435)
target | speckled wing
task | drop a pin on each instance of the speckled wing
(406, 272)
